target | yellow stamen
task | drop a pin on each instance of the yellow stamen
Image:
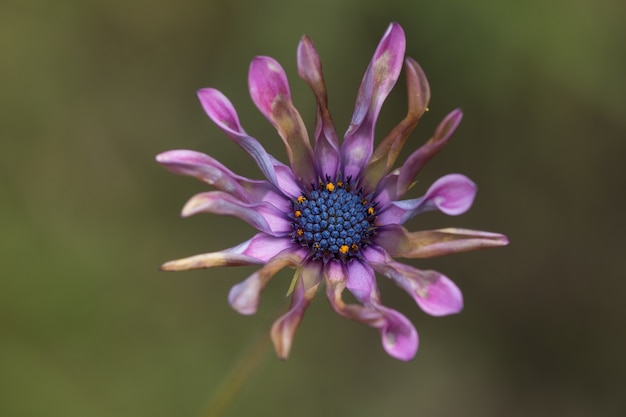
(300, 232)
(330, 187)
(339, 184)
(354, 247)
(370, 211)
(301, 199)
(298, 213)
(343, 249)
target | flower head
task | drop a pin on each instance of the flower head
(335, 213)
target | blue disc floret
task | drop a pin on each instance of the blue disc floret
(333, 220)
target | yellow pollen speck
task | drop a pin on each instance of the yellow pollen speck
(354, 247)
(330, 187)
(316, 246)
(298, 213)
(364, 202)
(370, 211)
(339, 184)
(343, 249)
(300, 232)
(301, 199)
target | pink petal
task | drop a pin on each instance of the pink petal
(269, 89)
(210, 171)
(387, 152)
(452, 194)
(435, 293)
(326, 143)
(307, 282)
(380, 77)
(415, 162)
(223, 114)
(245, 296)
(257, 250)
(263, 216)
(399, 337)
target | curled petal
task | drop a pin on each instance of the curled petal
(283, 330)
(451, 194)
(326, 143)
(387, 152)
(270, 92)
(223, 114)
(399, 242)
(435, 293)
(399, 337)
(380, 77)
(257, 250)
(418, 159)
(245, 296)
(212, 172)
(386, 189)
(263, 216)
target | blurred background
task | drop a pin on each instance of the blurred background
(91, 91)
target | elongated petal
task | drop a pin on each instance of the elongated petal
(245, 296)
(399, 242)
(386, 190)
(263, 216)
(387, 152)
(380, 77)
(212, 172)
(284, 329)
(418, 159)
(269, 89)
(257, 250)
(326, 144)
(435, 293)
(452, 194)
(223, 114)
(399, 337)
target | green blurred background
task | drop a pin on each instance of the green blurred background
(91, 90)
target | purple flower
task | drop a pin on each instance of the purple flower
(335, 213)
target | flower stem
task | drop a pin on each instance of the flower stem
(239, 376)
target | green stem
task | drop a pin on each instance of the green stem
(239, 376)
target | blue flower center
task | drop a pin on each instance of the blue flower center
(333, 221)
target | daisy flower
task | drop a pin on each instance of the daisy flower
(335, 213)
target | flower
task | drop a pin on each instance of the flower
(335, 213)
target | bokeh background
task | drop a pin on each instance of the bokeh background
(91, 90)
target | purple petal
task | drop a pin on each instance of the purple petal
(223, 114)
(326, 143)
(396, 240)
(263, 216)
(257, 250)
(386, 190)
(387, 152)
(380, 77)
(418, 159)
(245, 296)
(269, 89)
(452, 194)
(283, 330)
(399, 337)
(210, 171)
(435, 293)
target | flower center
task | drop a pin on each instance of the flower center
(333, 221)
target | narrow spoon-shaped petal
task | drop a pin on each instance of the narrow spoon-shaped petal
(269, 89)
(380, 77)
(399, 242)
